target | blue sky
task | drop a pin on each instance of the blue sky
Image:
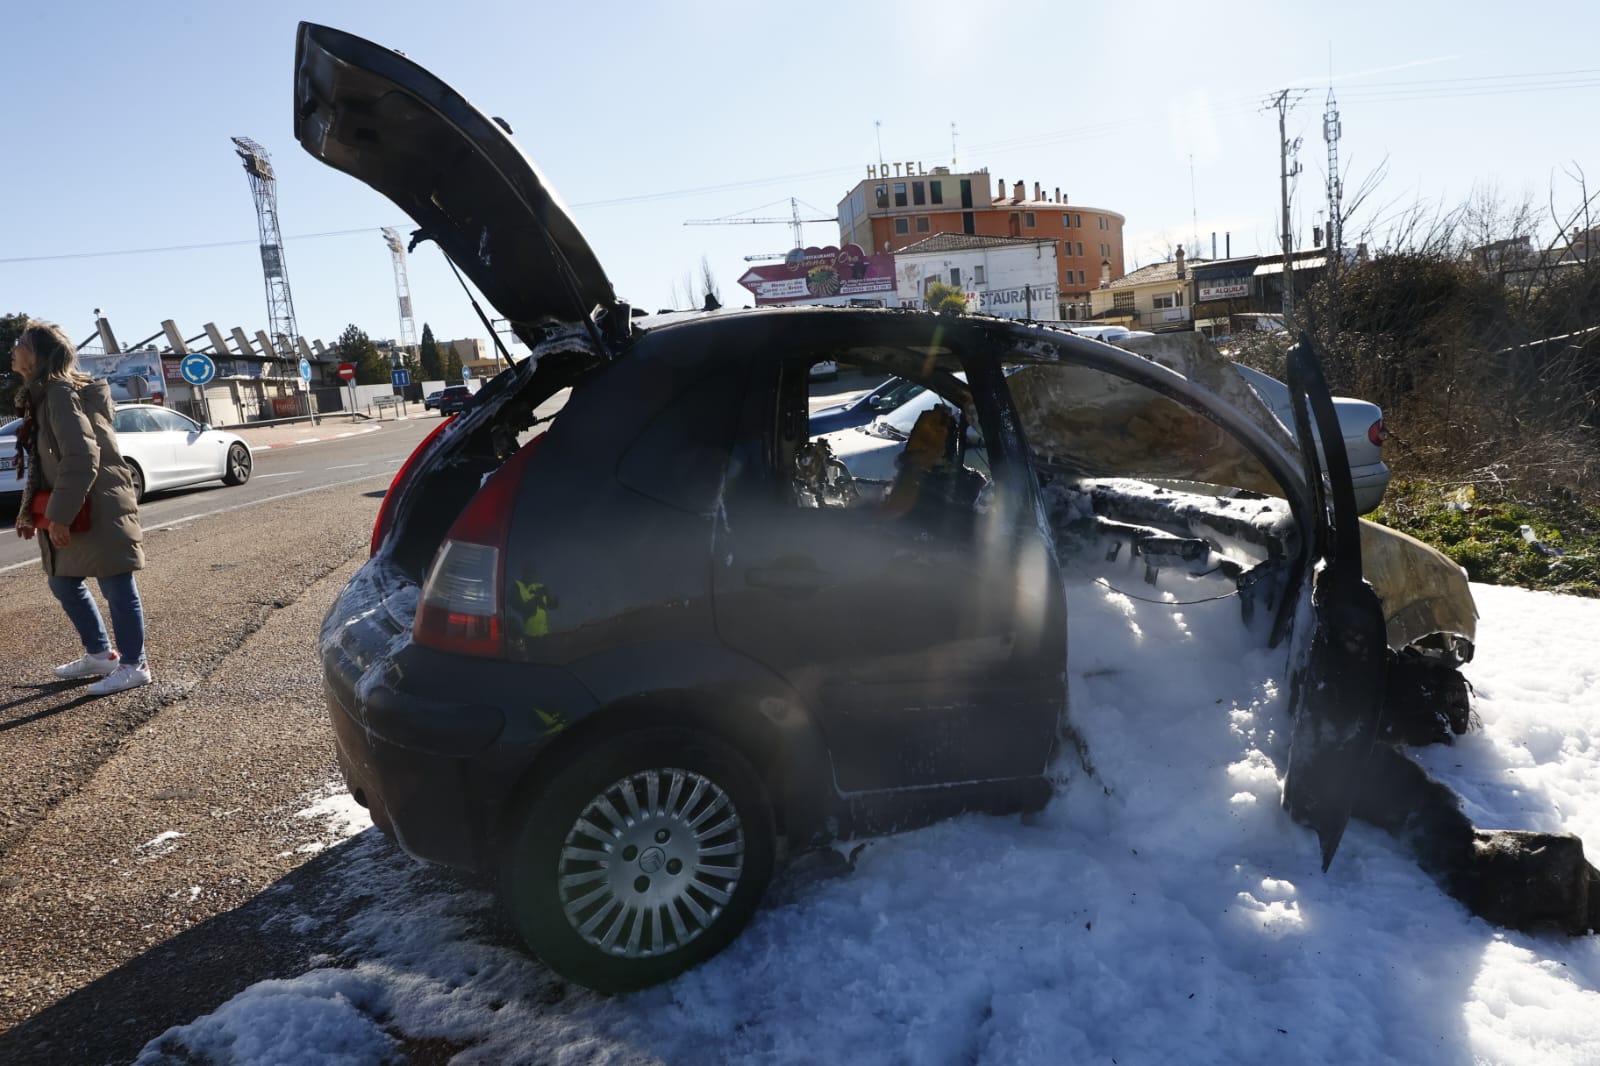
(644, 116)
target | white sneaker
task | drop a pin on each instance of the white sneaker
(89, 666)
(126, 676)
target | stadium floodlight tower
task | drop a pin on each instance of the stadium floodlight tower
(402, 288)
(264, 187)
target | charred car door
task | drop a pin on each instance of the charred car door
(929, 641)
(1340, 688)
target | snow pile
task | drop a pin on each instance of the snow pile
(1161, 909)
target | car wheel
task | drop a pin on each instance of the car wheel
(239, 465)
(137, 477)
(643, 857)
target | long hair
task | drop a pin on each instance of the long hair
(55, 356)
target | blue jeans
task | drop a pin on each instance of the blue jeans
(127, 614)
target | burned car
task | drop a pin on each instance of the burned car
(630, 633)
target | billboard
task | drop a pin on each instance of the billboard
(131, 375)
(818, 275)
(1222, 288)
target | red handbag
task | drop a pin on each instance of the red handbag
(41, 498)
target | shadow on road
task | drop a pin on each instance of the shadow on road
(112, 1018)
(41, 692)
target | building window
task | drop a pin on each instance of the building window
(955, 276)
(935, 192)
(902, 225)
(881, 194)
(977, 275)
(1077, 220)
(1105, 250)
(1122, 301)
(1102, 220)
(900, 194)
(1066, 218)
(922, 223)
(1080, 278)
(1080, 247)
(1027, 219)
(1162, 301)
(918, 194)
(969, 222)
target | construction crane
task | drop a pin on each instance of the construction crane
(794, 220)
(264, 187)
(402, 288)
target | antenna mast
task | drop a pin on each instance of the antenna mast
(1330, 133)
(264, 187)
(402, 288)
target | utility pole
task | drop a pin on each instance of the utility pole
(1286, 149)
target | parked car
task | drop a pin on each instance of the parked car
(619, 656)
(163, 450)
(431, 401)
(864, 408)
(1360, 424)
(453, 400)
(824, 370)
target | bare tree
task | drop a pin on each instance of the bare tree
(708, 281)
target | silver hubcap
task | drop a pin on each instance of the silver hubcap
(241, 463)
(651, 862)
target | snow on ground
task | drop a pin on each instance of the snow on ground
(1163, 909)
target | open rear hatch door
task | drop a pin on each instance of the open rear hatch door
(1340, 692)
(371, 112)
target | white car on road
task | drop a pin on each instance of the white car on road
(163, 449)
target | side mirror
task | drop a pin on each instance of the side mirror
(205, 427)
(876, 402)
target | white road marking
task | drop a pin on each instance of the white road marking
(347, 466)
(281, 473)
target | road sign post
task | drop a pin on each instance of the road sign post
(305, 385)
(347, 372)
(197, 369)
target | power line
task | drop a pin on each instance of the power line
(183, 247)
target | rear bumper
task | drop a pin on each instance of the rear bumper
(433, 745)
(1370, 483)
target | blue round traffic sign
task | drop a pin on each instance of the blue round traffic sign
(197, 369)
(305, 370)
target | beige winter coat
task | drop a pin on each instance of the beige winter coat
(78, 458)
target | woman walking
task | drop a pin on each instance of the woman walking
(78, 499)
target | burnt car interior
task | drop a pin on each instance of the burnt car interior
(1145, 495)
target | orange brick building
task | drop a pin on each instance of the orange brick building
(900, 206)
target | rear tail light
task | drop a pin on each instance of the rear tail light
(380, 527)
(462, 607)
(1377, 433)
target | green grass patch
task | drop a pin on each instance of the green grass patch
(1484, 532)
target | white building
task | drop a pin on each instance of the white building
(1009, 277)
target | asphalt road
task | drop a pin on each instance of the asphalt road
(137, 831)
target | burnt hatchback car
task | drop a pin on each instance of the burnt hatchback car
(629, 632)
